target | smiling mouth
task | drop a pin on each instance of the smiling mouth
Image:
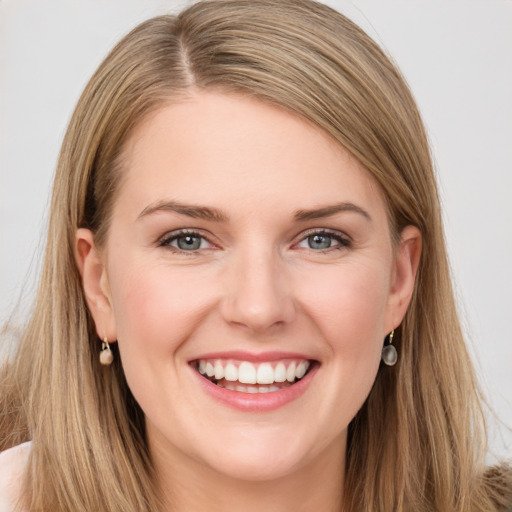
(248, 377)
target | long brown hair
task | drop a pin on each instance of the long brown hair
(418, 442)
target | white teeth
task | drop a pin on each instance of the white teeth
(219, 370)
(265, 374)
(247, 373)
(280, 373)
(301, 369)
(290, 373)
(231, 372)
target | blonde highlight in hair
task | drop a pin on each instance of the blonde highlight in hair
(419, 439)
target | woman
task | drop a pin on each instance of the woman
(244, 223)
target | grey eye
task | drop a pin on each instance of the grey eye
(318, 241)
(324, 240)
(188, 242)
(185, 241)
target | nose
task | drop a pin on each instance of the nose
(259, 295)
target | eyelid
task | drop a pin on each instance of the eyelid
(167, 238)
(344, 239)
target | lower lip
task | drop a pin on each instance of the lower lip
(257, 402)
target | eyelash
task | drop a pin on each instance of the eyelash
(344, 241)
(175, 235)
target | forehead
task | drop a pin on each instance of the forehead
(235, 150)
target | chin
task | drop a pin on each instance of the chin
(261, 458)
(262, 470)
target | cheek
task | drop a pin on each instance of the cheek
(156, 310)
(350, 311)
(349, 305)
(156, 307)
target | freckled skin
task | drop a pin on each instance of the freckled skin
(254, 285)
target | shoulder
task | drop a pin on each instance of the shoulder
(12, 466)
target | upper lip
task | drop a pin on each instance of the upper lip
(251, 356)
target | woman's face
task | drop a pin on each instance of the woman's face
(246, 245)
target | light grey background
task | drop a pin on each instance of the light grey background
(455, 54)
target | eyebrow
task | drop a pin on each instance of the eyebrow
(196, 212)
(327, 211)
(216, 215)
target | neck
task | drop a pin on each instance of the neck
(188, 486)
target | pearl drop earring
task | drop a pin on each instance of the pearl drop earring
(389, 353)
(106, 356)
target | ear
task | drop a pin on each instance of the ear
(95, 284)
(405, 266)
